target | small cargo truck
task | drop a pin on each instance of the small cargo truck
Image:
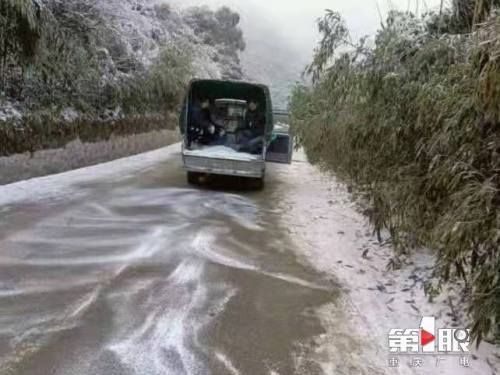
(228, 129)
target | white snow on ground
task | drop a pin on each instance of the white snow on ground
(222, 152)
(61, 185)
(336, 238)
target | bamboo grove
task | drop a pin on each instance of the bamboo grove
(412, 122)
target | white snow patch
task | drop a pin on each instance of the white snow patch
(166, 329)
(204, 246)
(225, 360)
(9, 112)
(69, 114)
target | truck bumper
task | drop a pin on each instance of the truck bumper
(253, 169)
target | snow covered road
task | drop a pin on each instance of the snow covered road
(122, 268)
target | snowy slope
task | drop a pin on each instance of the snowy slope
(149, 25)
(122, 38)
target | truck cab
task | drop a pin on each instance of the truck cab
(228, 129)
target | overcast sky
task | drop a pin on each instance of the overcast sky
(296, 18)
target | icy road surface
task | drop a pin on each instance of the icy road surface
(125, 269)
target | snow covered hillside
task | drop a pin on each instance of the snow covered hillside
(147, 26)
(110, 57)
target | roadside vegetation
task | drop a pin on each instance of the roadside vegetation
(412, 122)
(71, 68)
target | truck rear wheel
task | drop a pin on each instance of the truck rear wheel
(193, 178)
(257, 183)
